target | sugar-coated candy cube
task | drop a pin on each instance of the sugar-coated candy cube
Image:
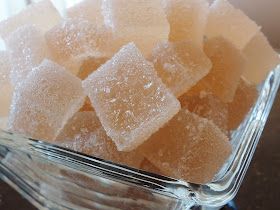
(244, 99)
(80, 125)
(3, 123)
(187, 19)
(141, 22)
(74, 40)
(129, 98)
(231, 23)
(90, 65)
(84, 133)
(188, 147)
(6, 92)
(5, 67)
(207, 105)
(180, 65)
(88, 10)
(261, 58)
(28, 48)
(227, 67)
(43, 103)
(43, 14)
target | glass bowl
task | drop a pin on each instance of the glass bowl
(52, 177)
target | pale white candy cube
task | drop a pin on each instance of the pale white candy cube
(141, 22)
(44, 102)
(89, 10)
(231, 23)
(129, 98)
(43, 14)
(28, 48)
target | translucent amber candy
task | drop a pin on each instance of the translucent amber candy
(245, 97)
(141, 22)
(146, 165)
(227, 67)
(129, 98)
(28, 49)
(207, 105)
(90, 65)
(187, 19)
(260, 59)
(6, 89)
(188, 147)
(87, 106)
(84, 133)
(231, 23)
(73, 41)
(43, 103)
(180, 65)
(42, 14)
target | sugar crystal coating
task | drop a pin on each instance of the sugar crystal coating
(5, 67)
(261, 58)
(88, 10)
(74, 40)
(231, 23)
(188, 147)
(180, 65)
(42, 14)
(43, 103)
(142, 22)
(129, 98)
(227, 67)
(187, 19)
(84, 133)
(244, 99)
(207, 105)
(28, 48)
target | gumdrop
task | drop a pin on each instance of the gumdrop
(88, 10)
(180, 65)
(84, 133)
(244, 99)
(42, 14)
(188, 147)
(231, 23)
(227, 67)
(75, 40)
(261, 58)
(28, 49)
(187, 19)
(141, 22)
(208, 106)
(129, 98)
(43, 103)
